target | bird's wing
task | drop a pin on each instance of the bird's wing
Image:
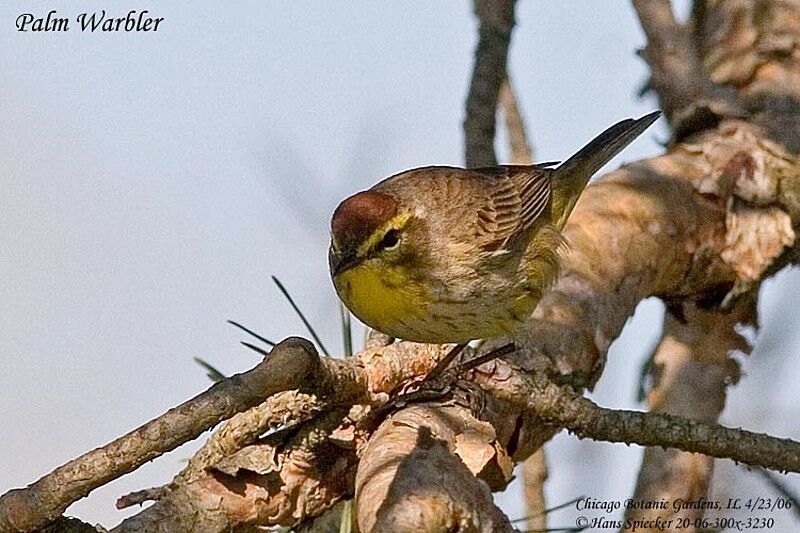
(516, 196)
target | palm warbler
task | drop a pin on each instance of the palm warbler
(444, 254)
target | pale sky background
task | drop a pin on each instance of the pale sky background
(151, 183)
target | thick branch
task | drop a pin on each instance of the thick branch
(285, 483)
(638, 232)
(717, 212)
(71, 525)
(674, 226)
(265, 483)
(754, 47)
(245, 428)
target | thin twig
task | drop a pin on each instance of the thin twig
(533, 473)
(139, 497)
(521, 151)
(485, 358)
(550, 509)
(442, 365)
(781, 488)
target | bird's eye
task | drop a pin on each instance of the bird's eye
(390, 239)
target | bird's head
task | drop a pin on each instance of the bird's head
(369, 225)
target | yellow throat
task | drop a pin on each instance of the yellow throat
(381, 296)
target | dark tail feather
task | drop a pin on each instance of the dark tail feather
(571, 177)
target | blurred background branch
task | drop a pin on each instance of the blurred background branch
(495, 25)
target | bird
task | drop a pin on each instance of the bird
(443, 254)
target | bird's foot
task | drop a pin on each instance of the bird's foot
(438, 384)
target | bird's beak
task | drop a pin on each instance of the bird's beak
(340, 262)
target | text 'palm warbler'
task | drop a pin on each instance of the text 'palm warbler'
(445, 254)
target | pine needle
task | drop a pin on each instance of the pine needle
(346, 517)
(253, 333)
(347, 331)
(301, 315)
(255, 348)
(213, 374)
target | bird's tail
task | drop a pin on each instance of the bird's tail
(571, 177)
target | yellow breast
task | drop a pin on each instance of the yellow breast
(391, 302)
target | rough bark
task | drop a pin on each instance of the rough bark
(235, 482)
(688, 96)
(724, 41)
(586, 419)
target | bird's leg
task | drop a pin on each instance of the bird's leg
(485, 358)
(430, 388)
(437, 384)
(442, 365)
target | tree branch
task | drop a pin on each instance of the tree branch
(292, 364)
(583, 417)
(274, 481)
(690, 100)
(289, 407)
(667, 240)
(713, 216)
(534, 473)
(754, 48)
(269, 482)
(521, 151)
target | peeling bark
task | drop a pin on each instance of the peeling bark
(413, 476)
